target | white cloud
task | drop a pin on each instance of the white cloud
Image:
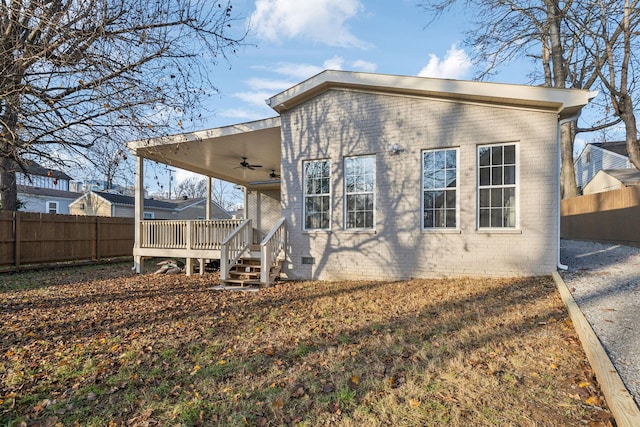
(455, 65)
(365, 66)
(334, 63)
(258, 83)
(321, 21)
(242, 114)
(254, 97)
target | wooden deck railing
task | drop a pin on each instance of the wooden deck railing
(234, 246)
(186, 234)
(271, 247)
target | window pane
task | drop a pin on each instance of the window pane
(451, 178)
(483, 156)
(450, 199)
(485, 198)
(509, 175)
(428, 219)
(496, 198)
(496, 217)
(510, 155)
(485, 217)
(496, 175)
(451, 159)
(439, 179)
(485, 177)
(451, 218)
(496, 155)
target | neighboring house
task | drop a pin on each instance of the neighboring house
(102, 203)
(389, 177)
(43, 190)
(35, 175)
(46, 200)
(597, 156)
(612, 179)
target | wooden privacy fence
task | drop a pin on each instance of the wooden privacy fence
(611, 217)
(35, 238)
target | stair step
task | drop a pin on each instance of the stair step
(240, 275)
(242, 282)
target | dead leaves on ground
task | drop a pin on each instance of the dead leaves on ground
(166, 350)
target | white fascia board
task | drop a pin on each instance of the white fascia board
(206, 134)
(566, 102)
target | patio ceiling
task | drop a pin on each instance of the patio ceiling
(218, 152)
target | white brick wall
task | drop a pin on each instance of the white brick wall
(341, 123)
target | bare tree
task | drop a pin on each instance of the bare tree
(614, 38)
(553, 35)
(192, 188)
(73, 73)
(108, 161)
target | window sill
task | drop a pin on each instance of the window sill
(360, 231)
(313, 232)
(498, 231)
(441, 231)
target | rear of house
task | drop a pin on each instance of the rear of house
(379, 185)
(390, 177)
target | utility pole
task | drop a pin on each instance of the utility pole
(171, 171)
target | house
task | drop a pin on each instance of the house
(597, 156)
(371, 176)
(43, 190)
(46, 200)
(612, 179)
(104, 203)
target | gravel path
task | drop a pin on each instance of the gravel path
(605, 283)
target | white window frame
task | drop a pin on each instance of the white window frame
(444, 188)
(359, 192)
(50, 203)
(497, 171)
(319, 195)
(148, 215)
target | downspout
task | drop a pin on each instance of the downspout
(573, 118)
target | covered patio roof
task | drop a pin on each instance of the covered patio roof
(218, 152)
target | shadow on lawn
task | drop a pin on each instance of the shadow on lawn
(303, 339)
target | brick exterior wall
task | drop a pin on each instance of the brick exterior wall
(340, 123)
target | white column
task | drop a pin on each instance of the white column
(209, 189)
(138, 213)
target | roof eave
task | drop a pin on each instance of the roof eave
(567, 102)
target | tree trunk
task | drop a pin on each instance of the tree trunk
(8, 187)
(631, 130)
(568, 186)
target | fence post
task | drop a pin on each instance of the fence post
(98, 243)
(17, 240)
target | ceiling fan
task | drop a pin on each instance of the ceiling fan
(273, 174)
(246, 165)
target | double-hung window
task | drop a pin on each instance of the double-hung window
(52, 207)
(317, 195)
(360, 183)
(497, 185)
(439, 188)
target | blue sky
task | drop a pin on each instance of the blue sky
(292, 40)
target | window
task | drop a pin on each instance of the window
(52, 207)
(317, 192)
(439, 189)
(497, 186)
(359, 182)
(148, 215)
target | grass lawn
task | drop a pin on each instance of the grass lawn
(99, 346)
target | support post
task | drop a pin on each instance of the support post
(138, 211)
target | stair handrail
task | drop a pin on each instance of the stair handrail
(232, 248)
(271, 247)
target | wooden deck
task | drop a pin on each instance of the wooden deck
(226, 240)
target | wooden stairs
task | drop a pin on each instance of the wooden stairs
(246, 271)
